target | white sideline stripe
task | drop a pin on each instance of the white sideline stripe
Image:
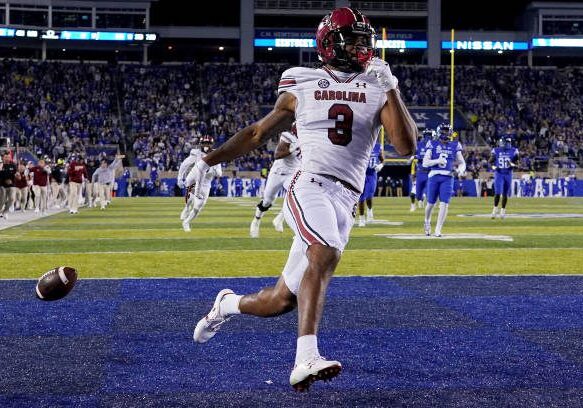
(17, 218)
(388, 250)
(451, 275)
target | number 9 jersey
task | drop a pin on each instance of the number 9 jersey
(337, 120)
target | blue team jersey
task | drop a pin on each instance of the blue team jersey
(422, 147)
(449, 151)
(502, 158)
(373, 161)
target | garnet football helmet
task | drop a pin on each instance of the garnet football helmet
(339, 29)
(206, 143)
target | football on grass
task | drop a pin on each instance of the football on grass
(56, 283)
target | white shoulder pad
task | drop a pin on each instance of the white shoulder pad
(291, 78)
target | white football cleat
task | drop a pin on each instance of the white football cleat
(503, 213)
(208, 326)
(186, 226)
(427, 228)
(413, 207)
(361, 222)
(254, 228)
(278, 222)
(315, 369)
(369, 216)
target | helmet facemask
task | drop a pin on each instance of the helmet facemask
(363, 42)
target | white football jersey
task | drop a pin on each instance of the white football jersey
(190, 161)
(337, 120)
(288, 164)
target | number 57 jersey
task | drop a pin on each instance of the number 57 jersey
(337, 120)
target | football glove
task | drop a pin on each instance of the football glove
(379, 167)
(382, 72)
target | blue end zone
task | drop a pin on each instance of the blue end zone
(423, 341)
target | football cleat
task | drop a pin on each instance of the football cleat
(369, 216)
(278, 222)
(361, 222)
(254, 228)
(209, 325)
(413, 208)
(503, 213)
(315, 369)
(186, 226)
(427, 228)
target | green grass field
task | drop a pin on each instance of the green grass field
(142, 237)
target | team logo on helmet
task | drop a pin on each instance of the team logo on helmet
(323, 83)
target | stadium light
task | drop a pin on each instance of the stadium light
(221, 48)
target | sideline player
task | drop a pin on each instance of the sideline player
(503, 159)
(440, 158)
(194, 204)
(40, 181)
(287, 161)
(183, 170)
(420, 172)
(339, 109)
(375, 164)
(103, 179)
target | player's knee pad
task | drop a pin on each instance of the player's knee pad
(262, 207)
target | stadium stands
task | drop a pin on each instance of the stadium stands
(59, 109)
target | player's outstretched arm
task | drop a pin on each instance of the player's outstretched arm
(399, 125)
(253, 136)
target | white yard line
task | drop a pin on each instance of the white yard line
(388, 250)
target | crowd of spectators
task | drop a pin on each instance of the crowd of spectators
(57, 109)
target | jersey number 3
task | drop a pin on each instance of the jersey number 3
(341, 134)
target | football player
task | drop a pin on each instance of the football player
(503, 159)
(418, 170)
(194, 203)
(375, 164)
(440, 158)
(287, 161)
(339, 108)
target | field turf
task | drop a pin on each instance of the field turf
(412, 337)
(142, 237)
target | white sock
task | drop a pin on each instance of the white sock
(441, 217)
(361, 218)
(503, 211)
(307, 348)
(369, 213)
(495, 210)
(230, 305)
(428, 210)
